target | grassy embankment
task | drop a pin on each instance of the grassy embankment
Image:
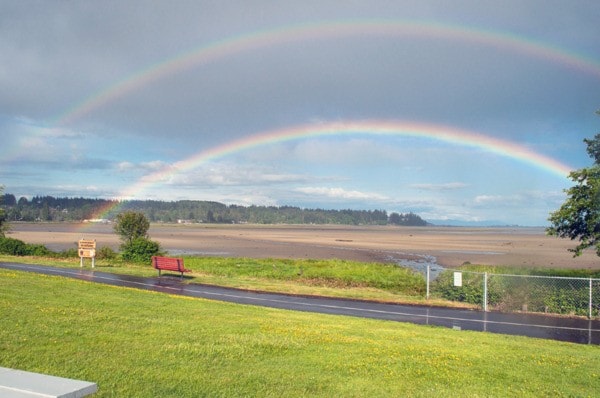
(140, 344)
(336, 278)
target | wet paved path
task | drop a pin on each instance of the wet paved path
(581, 331)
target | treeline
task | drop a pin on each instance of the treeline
(48, 208)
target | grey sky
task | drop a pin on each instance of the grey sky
(463, 64)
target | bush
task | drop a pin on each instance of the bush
(140, 250)
(68, 253)
(37, 250)
(106, 253)
(16, 247)
(12, 247)
(470, 292)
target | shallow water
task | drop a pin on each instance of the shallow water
(419, 263)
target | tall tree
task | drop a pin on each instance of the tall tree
(8, 199)
(579, 216)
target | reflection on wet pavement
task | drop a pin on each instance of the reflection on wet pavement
(576, 330)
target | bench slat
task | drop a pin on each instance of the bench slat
(169, 264)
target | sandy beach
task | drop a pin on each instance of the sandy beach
(446, 246)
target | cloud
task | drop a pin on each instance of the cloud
(524, 199)
(29, 144)
(66, 190)
(495, 199)
(340, 193)
(146, 167)
(449, 186)
(351, 150)
(233, 174)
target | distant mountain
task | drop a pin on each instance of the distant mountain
(462, 223)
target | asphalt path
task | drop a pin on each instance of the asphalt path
(574, 330)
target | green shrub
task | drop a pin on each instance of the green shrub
(470, 292)
(37, 250)
(140, 250)
(512, 292)
(16, 247)
(13, 247)
(68, 253)
(106, 253)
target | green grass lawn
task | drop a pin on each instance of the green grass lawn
(145, 344)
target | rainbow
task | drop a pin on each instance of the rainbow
(438, 133)
(218, 50)
(328, 30)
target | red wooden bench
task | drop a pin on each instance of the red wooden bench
(169, 264)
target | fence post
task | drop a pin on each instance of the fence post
(590, 308)
(427, 293)
(485, 286)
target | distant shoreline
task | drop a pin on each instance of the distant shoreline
(449, 246)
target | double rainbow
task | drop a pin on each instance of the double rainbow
(349, 128)
(253, 41)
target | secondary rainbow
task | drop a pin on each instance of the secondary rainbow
(328, 30)
(397, 128)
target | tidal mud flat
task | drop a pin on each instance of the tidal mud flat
(445, 246)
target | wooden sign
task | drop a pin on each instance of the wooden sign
(87, 249)
(87, 253)
(87, 243)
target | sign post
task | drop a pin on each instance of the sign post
(87, 249)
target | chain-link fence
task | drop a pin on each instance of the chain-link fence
(518, 293)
